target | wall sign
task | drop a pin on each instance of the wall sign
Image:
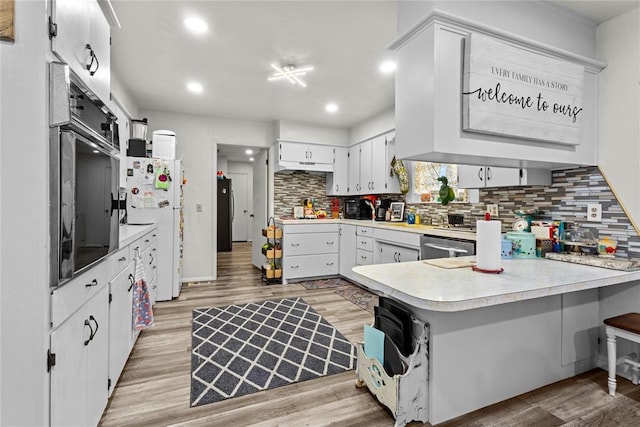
(511, 91)
(7, 20)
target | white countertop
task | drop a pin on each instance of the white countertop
(129, 233)
(440, 289)
(431, 230)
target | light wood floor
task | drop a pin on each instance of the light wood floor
(154, 387)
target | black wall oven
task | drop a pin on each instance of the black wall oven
(84, 172)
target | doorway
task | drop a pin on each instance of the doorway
(241, 214)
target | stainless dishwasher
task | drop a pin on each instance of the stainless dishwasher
(445, 247)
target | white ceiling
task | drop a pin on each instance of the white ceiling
(154, 57)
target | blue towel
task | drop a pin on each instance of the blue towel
(374, 343)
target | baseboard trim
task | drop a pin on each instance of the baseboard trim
(198, 279)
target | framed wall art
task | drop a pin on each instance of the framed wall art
(7, 20)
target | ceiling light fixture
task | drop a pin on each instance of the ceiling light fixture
(331, 108)
(194, 87)
(248, 151)
(290, 72)
(387, 67)
(195, 25)
(251, 159)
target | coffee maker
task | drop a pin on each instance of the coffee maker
(382, 205)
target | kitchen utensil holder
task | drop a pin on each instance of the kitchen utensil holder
(406, 395)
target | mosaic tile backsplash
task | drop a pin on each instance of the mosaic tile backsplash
(565, 199)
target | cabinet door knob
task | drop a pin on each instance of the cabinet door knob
(124, 258)
(94, 282)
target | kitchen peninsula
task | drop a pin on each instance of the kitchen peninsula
(495, 336)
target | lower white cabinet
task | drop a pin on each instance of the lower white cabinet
(120, 322)
(310, 250)
(347, 250)
(79, 363)
(388, 253)
(364, 245)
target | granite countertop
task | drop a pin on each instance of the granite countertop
(431, 230)
(434, 288)
(129, 232)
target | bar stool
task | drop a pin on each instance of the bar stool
(625, 326)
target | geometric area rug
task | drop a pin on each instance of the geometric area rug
(242, 349)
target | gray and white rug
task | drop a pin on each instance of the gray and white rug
(241, 349)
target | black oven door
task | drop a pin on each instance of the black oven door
(86, 227)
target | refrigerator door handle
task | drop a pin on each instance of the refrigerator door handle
(233, 206)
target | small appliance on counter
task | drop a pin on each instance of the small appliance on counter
(351, 209)
(382, 205)
(366, 209)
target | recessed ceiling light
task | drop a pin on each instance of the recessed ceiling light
(96, 151)
(331, 108)
(194, 87)
(248, 151)
(195, 25)
(251, 159)
(388, 67)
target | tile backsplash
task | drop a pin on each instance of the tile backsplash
(565, 199)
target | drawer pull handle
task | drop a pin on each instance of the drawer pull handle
(295, 266)
(94, 282)
(330, 243)
(147, 241)
(131, 281)
(295, 245)
(124, 258)
(329, 263)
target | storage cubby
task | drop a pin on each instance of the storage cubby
(406, 395)
(272, 250)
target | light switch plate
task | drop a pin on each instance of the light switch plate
(493, 210)
(198, 207)
(594, 212)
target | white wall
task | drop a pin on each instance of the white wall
(24, 220)
(531, 19)
(197, 139)
(382, 123)
(120, 95)
(223, 164)
(619, 109)
(290, 130)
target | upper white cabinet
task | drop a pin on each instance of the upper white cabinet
(369, 166)
(303, 156)
(338, 181)
(429, 102)
(80, 37)
(490, 176)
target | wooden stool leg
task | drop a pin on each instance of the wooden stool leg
(611, 357)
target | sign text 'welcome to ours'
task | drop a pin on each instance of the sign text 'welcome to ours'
(514, 92)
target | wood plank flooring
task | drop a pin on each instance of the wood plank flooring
(155, 384)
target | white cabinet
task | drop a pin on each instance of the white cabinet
(347, 250)
(489, 176)
(79, 376)
(388, 253)
(311, 250)
(120, 318)
(428, 104)
(370, 164)
(80, 37)
(303, 156)
(364, 245)
(338, 181)
(395, 246)
(124, 132)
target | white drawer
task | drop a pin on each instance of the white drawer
(68, 298)
(364, 243)
(310, 266)
(327, 226)
(364, 257)
(310, 244)
(402, 238)
(119, 261)
(364, 231)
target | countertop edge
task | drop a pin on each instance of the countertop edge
(617, 277)
(129, 233)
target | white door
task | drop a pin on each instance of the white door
(240, 194)
(260, 191)
(353, 176)
(365, 167)
(501, 177)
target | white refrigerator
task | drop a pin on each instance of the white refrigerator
(154, 195)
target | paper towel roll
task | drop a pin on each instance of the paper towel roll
(488, 245)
